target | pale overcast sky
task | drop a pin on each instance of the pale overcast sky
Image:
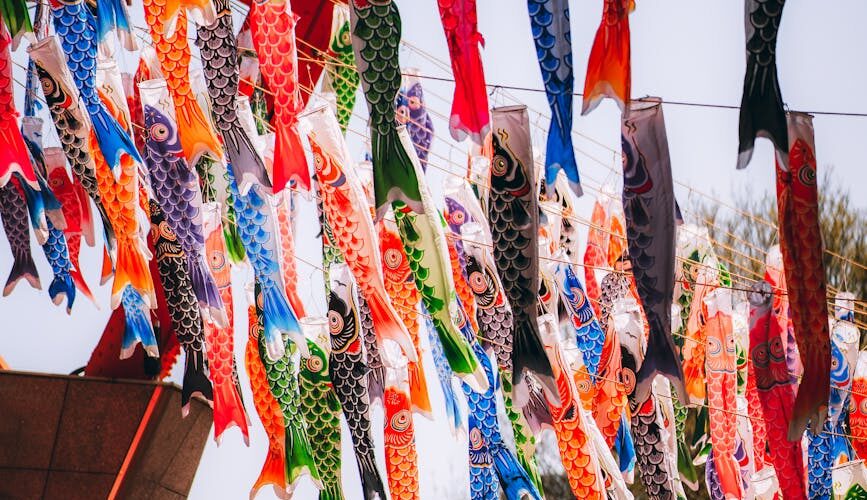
(684, 51)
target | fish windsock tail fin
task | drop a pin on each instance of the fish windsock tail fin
(728, 473)
(394, 174)
(469, 96)
(36, 209)
(418, 390)
(560, 155)
(229, 410)
(80, 283)
(762, 115)
(196, 380)
(131, 269)
(107, 269)
(661, 358)
(197, 135)
(528, 353)
(453, 408)
(514, 479)
(112, 138)
(22, 268)
(14, 157)
(279, 317)
(290, 162)
(138, 326)
(608, 69)
(273, 473)
(112, 15)
(299, 455)
(371, 480)
(206, 291)
(246, 164)
(376, 385)
(387, 324)
(62, 286)
(811, 403)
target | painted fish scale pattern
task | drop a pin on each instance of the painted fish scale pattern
(484, 434)
(343, 75)
(462, 288)
(321, 412)
(492, 311)
(265, 404)
(588, 333)
(13, 210)
(650, 451)
(219, 51)
(399, 282)
(376, 380)
(378, 29)
(401, 457)
(349, 377)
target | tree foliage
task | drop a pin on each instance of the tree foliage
(746, 230)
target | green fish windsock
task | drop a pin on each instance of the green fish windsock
(342, 75)
(320, 408)
(376, 31)
(425, 244)
(284, 387)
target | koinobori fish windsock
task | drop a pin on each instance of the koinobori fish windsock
(376, 31)
(801, 246)
(197, 137)
(218, 52)
(13, 156)
(342, 74)
(349, 376)
(470, 116)
(649, 209)
(549, 23)
(273, 28)
(609, 70)
(412, 111)
(762, 112)
(75, 27)
(513, 215)
(348, 215)
(176, 187)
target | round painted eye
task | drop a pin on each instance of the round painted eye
(863, 406)
(166, 231)
(760, 354)
(584, 385)
(477, 282)
(346, 38)
(260, 301)
(776, 349)
(48, 86)
(476, 439)
(579, 297)
(159, 132)
(314, 364)
(458, 217)
(54, 182)
(401, 420)
(402, 114)
(499, 166)
(807, 175)
(335, 322)
(318, 162)
(628, 378)
(392, 258)
(835, 363)
(414, 102)
(713, 347)
(218, 260)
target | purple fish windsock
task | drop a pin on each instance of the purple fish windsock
(649, 210)
(549, 23)
(177, 189)
(13, 210)
(412, 111)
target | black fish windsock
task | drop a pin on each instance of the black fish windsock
(513, 214)
(762, 112)
(649, 210)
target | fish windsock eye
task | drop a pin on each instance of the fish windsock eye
(218, 261)
(335, 322)
(159, 132)
(414, 102)
(166, 231)
(477, 282)
(314, 364)
(401, 420)
(499, 166)
(458, 217)
(403, 114)
(392, 258)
